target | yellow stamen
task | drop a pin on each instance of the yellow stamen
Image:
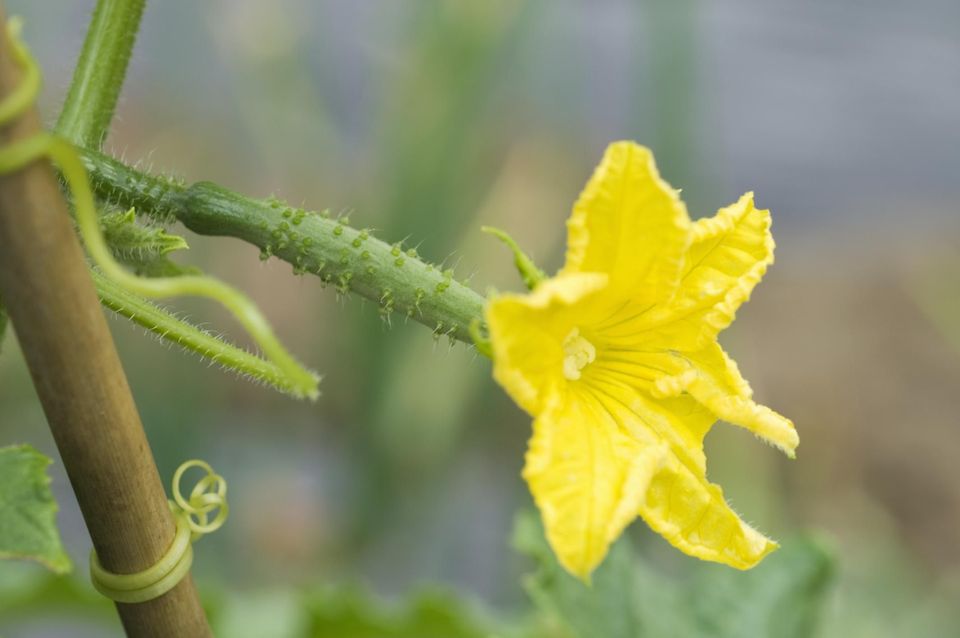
(579, 353)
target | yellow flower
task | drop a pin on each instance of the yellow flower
(617, 360)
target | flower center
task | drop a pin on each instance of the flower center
(578, 353)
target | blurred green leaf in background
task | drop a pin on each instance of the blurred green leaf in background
(783, 597)
(28, 512)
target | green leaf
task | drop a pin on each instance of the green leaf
(604, 609)
(339, 613)
(29, 593)
(28, 525)
(278, 613)
(781, 597)
(351, 612)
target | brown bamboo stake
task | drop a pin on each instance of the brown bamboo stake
(81, 384)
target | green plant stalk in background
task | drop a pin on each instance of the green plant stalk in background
(350, 259)
(98, 78)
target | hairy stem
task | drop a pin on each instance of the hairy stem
(168, 326)
(349, 258)
(99, 74)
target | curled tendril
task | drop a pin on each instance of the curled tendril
(208, 494)
(302, 382)
(529, 272)
(192, 517)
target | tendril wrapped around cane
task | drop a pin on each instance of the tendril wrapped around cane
(192, 514)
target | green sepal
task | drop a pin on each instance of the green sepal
(143, 248)
(483, 344)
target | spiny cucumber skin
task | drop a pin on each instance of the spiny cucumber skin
(348, 258)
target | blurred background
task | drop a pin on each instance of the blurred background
(427, 119)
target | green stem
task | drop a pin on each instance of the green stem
(349, 258)
(100, 71)
(191, 338)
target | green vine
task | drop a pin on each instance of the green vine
(348, 258)
(98, 78)
(300, 381)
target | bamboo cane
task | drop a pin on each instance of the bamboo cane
(81, 384)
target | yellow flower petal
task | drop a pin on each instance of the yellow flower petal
(527, 334)
(617, 360)
(714, 380)
(624, 383)
(680, 503)
(691, 513)
(721, 389)
(588, 479)
(729, 255)
(630, 224)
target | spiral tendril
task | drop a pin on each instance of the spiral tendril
(192, 516)
(208, 494)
